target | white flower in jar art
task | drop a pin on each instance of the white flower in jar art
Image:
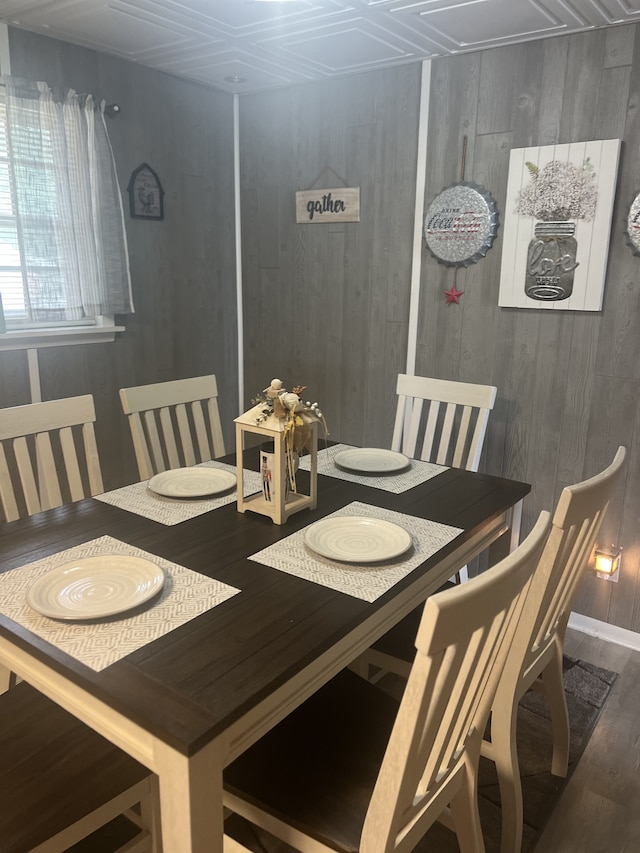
(559, 191)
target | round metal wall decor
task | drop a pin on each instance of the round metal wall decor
(461, 224)
(633, 226)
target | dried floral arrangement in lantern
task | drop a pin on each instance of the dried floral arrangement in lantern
(292, 427)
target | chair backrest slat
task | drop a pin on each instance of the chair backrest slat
(26, 435)
(154, 441)
(7, 492)
(463, 432)
(455, 424)
(27, 478)
(165, 417)
(185, 434)
(140, 447)
(168, 435)
(429, 433)
(446, 433)
(92, 459)
(462, 643)
(216, 428)
(49, 487)
(403, 413)
(204, 448)
(71, 464)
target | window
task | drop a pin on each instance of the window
(63, 250)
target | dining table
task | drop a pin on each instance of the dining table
(256, 623)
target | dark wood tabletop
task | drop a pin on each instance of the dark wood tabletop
(193, 683)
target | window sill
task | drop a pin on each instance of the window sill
(62, 337)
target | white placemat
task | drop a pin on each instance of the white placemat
(368, 582)
(139, 499)
(417, 473)
(185, 595)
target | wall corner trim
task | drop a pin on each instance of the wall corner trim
(605, 631)
(421, 173)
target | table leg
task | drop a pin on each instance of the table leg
(510, 539)
(516, 521)
(191, 800)
(5, 678)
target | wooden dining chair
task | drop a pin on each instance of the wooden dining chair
(350, 770)
(40, 467)
(441, 421)
(165, 417)
(61, 782)
(535, 658)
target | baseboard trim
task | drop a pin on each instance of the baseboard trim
(605, 631)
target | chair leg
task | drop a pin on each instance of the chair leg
(553, 683)
(465, 813)
(504, 752)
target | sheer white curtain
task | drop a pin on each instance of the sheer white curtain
(68, 208)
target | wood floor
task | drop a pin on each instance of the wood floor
(599, 811)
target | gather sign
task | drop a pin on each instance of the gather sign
(341, 204)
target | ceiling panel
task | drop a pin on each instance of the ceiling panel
(110, 29)
(508, 21)
(247, 45)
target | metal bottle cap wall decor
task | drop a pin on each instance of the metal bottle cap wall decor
(461, 224)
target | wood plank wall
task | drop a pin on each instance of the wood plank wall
(327, 305)
(183, 268)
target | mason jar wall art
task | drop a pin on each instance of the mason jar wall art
(557, 195)
(551, 260)
(557, 225)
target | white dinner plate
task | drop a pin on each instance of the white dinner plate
(95, 587)
(357, 539)
(192, 482)
(371, 460)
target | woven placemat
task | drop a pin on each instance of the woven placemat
(185, 595)
(418, 472)
(140, 499)
(368, 582)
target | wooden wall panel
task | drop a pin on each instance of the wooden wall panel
(336, 318)
(14, 379)
(182, 268)
(550, 96)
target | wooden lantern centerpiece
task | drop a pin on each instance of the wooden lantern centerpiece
(289, 426)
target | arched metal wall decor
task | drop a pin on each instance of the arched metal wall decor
(146, 196)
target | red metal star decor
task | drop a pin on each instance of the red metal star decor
(453, 295)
